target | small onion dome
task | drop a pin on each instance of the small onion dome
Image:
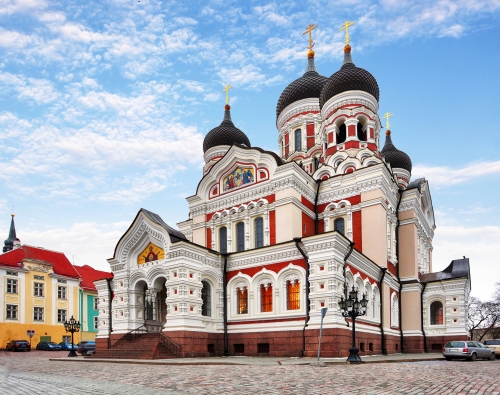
(225, 134)
(398, 159)
(349, 78)
(309, 85)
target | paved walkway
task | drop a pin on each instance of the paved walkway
(38, 372)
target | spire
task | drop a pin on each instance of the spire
(347, 55)
(388, 142)
(227, 121)
(347, 48)
(9, 243)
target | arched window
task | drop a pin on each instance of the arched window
(242, 301)
(436, 313)
(293, 295)
(298, 140)
(206, 297)
(240, 236)
(395, 312)
(223, 240)
(266, 298)
(342, 135)
(360, 132)
(259, 232)
(338, 225)
(316, 163)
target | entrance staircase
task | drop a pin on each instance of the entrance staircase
(140, 344)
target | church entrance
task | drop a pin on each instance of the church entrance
(155, 307)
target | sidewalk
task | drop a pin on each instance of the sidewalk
(261, 361)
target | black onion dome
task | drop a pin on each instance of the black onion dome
(309, 85)
(225, 134)
(349, 78)
(398, 159)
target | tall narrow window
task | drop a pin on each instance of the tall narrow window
(38, 314)
(298, 140)
(242, 300)
(240, 236)
(259, 232)
(342, 135)
(266, 298)
(61, 315)
(11, 312)
(361, 134)
(338, 225)
(293, 295)
(38, 289)
(61, 292)
(223, 240)
(206, 307)
(12, 286)
(436, 313)
(316, 163)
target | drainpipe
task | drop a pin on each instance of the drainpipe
(224, 294)
(399, 279)
(316, 208)
(422, 313)
(351, 247)
(108, 280)
(381, 282)
(297, 240)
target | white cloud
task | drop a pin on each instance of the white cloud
(212, 97)
(9, 7)
(480, 244)
(442, 176)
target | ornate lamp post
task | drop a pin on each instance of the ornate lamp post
(72, 326)
(352, 307)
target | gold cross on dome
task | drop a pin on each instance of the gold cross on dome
(226, 89)
(386, 116)
(345, 27)
(309, 30)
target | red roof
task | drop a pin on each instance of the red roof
(60, 264)
(88, 275)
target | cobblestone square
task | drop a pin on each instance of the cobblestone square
(33, 373)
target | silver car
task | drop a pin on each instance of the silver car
(467, 350)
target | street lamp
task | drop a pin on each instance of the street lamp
(352, 307)
(72, 326)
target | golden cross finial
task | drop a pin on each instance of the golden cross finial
(345, 27)
(226, 89)
(309, 30)
(386, 116)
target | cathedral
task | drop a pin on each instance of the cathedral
(271, 239)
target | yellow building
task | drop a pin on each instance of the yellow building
(39, 290)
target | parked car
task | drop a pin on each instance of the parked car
(65, 346)
(494, 345)
(87, 348)
(467, 350)
(48, 346)
(18, 345)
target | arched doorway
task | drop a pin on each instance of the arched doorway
(155, 307)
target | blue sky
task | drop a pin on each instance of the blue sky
(104, 106)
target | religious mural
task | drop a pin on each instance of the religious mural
(239, 177)
(151, 253)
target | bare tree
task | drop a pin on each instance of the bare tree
(484, 317)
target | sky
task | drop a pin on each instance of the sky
(104, 106)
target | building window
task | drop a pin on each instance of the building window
(298, 140)
(96, 303)
(96, 323)
(223, 240)
(206, 307)
(38, 314)
(266, 298)
(338, 225)
(38, 289)
(12, 286)
(342, 134)
(242, 300)
(259, 232)
(293, 295)
(240, 236)
(61, 292)
(316, 163)
(61, 315)
(436, 313)
(66, 339)
(395, 312)
(11, 312)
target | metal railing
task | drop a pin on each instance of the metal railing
(170, 344)
(132, 335)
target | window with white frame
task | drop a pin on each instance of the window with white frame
(12, 286)
(395, 311)
(61, 292)
(96, 322)
(61, 315)
(206, 297)
(240, 236)
(241, 299)
(38, 289)
(292, 290)
(96, 303)
(259, 232)
(12, 310)
(223, 240)
(298, 140)
(339, 225)
(38, 314)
